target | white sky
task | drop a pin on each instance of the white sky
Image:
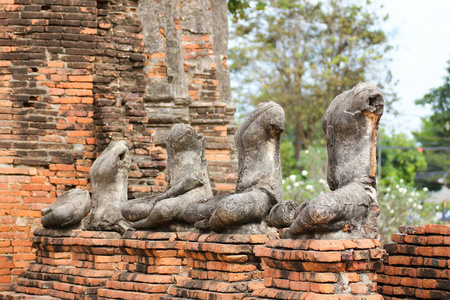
(419, 64)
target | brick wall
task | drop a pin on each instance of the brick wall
(417, 265)
(75, 75)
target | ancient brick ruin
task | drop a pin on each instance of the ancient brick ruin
(75, 75)
(78, 74)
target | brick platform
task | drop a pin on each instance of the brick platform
(320, 269)
(220, 266)
(141, 265)
(169, 265)
(151, 263)
(71, 264)
(418, 264)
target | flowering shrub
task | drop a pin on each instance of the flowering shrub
(312, 180)
(402, 204)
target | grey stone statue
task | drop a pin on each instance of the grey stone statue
(109, 178)
(188, 182)
(351, 209)
(259, 185)
(67, 211)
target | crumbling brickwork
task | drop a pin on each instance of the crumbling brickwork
(189, 265)
(75, 75)
(417, 265)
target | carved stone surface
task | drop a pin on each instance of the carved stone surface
(188, 181)
(67, 211)
(259, 185)
(350, 210)
(109, 178)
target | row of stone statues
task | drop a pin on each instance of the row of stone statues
(350, 210)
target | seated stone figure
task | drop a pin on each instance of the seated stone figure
(351, 209)
(109, 178)
(259, 185)
(67, 211)
(188, 182)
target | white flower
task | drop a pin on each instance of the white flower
(306, 151)
(283, 181)
(420, 206)
(288, 187)
(410, 200)
(388, 189)
(322, 181)
(401, 181)
(296, 184)
(397, 186)
(302, 182)
(309, 187)
(437, 206)
(425, 189)
(392, 211)
(304, 173)
(292, 177)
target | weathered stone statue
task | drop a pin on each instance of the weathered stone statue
(188, 182)
(109, 178)
(67, 211)
(351, 209)
(259, 185)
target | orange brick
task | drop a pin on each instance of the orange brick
(89, 31)
(85, 120)
(322, 288)
(61, 167)
(358, 288)
(87, 78)
(326, 245)
(55, 64)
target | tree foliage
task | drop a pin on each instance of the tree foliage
(403, 160)
(237, 8)
(435, 135)
(301, 54)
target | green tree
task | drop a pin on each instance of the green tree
(301, 54)
(237, 8)
(400, 158)
(435, 136)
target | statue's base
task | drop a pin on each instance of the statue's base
(71, 264)
(320, 269)
(169, 265)
(220, 266)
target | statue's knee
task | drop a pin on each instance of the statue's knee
(136, 211)
(165, 211)
(227, 209)
(317, 214)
